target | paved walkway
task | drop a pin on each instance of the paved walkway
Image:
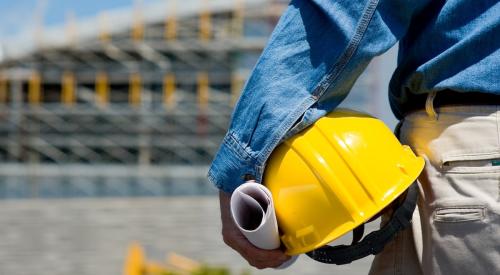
(90, 236)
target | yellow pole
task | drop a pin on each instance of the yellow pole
(155, 268)
(135, 261)
(236, 86)
(238, 18)
(205, 22)
(34, 89)
(102, 89)
(135, 90)
(183, 263)
(38, 25)
(171, 22)
(138, 25)
(169, 91)
(68, 88)
(3, 89)
(104, 35)
(71, 29)
(274, 9)
(203, 90)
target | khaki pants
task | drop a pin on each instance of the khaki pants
(456, 229)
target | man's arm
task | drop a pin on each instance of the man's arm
(315, 54)
(313, 57)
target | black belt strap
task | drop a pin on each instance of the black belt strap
(374, 242)
(450, 98)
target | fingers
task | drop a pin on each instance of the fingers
(232, 236)
(256, 257)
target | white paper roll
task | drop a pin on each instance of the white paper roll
(252, 209)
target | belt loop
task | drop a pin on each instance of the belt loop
(429, 105)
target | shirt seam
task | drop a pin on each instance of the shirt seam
(213, 180)
(232, 142)
(346, 56)
(324, 84)
(283, 128)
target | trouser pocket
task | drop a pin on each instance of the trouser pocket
(464, 221)
(458, 214)
(459, 229)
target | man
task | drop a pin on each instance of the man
(444, 90)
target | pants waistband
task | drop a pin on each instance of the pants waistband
(448, 98)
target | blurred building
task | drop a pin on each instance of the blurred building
(132, 103)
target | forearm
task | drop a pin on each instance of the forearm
(313, 58)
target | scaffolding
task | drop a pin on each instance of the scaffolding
(133, 112)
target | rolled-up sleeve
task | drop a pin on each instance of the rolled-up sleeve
(313, 57)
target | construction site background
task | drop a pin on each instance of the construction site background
(108, 124)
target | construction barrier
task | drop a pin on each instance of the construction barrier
(136, 263)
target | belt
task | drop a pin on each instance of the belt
(453, 98)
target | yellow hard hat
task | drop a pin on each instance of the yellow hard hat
(336, 175)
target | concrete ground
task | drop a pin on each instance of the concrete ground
(90, 236)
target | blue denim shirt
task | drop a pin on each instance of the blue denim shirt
(320, 47)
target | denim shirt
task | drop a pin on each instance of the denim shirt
(320, 47)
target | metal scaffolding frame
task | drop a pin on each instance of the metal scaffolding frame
(147, 106)
(133, 112)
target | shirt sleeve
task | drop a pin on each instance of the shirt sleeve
(313, 57)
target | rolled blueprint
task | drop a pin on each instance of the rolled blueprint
(252, 209)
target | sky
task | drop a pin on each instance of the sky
(19, 15)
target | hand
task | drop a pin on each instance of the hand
(232, 236)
